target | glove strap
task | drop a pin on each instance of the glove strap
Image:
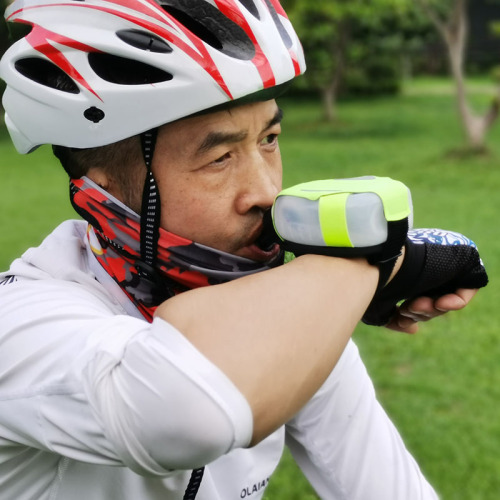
(383, 305)
(388, 255)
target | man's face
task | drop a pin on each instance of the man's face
(217, 173)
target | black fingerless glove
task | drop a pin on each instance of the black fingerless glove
(436, 263)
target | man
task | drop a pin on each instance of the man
(121, 370)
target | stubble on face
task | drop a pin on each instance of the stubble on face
(217, 174)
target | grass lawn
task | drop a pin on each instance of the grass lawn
(441, 387)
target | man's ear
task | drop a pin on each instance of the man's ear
(105, 181)
(99, 177)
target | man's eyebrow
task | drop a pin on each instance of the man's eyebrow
(214, 139)
(277, 118)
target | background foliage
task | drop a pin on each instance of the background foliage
(442, 386)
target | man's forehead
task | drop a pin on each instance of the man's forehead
(228, 113)
(234, 120)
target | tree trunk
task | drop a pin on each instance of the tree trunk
(329, 99)
(406, 65)
(329, 93)
(455, 35)
(454, 32)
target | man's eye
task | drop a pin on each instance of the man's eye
(270, 139)
(221, 160)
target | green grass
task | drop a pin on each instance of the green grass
(34, 197)
(441, 387)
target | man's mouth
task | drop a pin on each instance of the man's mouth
(268, 238)
(254, 252)
(264, 246)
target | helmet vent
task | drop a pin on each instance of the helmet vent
(122, 71)
(210, 25)
(194, 26)
(250, 6)
(281, 29)
(144, 41)
(46, 73)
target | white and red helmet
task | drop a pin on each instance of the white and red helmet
(93, 72)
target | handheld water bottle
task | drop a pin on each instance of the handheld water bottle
(359, 217)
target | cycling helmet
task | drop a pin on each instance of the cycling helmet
(92, 72)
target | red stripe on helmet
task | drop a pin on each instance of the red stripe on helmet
(153, 10)
(296, 64)
(202, 57)
(149, 8)
(279, 9)
(39, 38)
(231, 10)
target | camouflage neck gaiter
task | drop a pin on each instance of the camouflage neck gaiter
(114, 237)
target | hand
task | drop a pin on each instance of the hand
(438, 266)
(424, 308)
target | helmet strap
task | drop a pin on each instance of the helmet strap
(151, 210)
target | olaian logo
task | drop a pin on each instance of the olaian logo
(252, 490)
(8, 280)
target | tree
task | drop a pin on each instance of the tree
(4, 43)
(324, 32)
(327, 30)
(450, 18)
(3, 27)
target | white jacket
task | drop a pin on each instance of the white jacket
(98, 404)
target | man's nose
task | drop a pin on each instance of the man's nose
(261, 183)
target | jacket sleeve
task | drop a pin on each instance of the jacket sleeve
(82, 381)
(346, 445)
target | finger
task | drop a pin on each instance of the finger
(403, 324)
(455, 301)
(426, 307)
(420, 309)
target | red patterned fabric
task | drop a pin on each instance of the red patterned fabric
(114, 236)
